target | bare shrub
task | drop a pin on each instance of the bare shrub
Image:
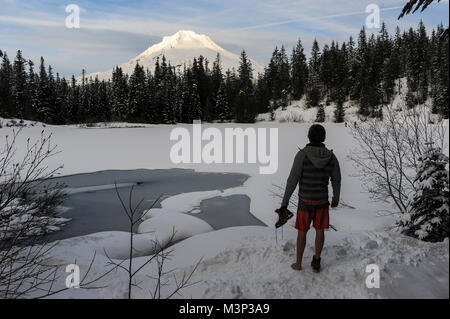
(162, 253)
(28, 206)
(388, 151)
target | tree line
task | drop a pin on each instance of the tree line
(366, 71)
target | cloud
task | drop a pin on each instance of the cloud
(112, 32)
(320, 19)
(30, 21)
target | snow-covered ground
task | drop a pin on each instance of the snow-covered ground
(299, 112)
(5, 122)
(246, 262)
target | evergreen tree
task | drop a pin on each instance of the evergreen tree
(191, 108)
(384, 44)
(232, 91)
(373, 93)
(32, 93)
(19, 88)
(216, 82)
(195, 103)
(161, 98)
(362, 82)
(284, 78)
(61, 99)
(314, 88)
(299, 71)
(185, 97)
(105, 101)
(423, 56)
(72, 102)
(327, 71)
(177, 98)
(440, 72)
(418, 63)
(150, 111)
(339, 112)
(172, 91)
(166, 89)
(320, 118)
(429, 218)
(93, 115)
(6, 95)
(223, 109)
(341, 85)
(119, 95)
(200, 71)
(279, 78)
(352, 67)
(272, 76)
(246, 107)
(263, 96)
(44, 105)
(413, 5)
(137, 95)
(392, 69)
(85, 100)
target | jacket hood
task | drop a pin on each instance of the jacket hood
(319, 155)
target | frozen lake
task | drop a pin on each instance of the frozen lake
(93, 205)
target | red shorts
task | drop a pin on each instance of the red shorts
(316, 212)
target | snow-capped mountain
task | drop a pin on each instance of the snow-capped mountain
(180, 49)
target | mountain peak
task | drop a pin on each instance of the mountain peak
(179, 50)
(183, 39)
(185, 35)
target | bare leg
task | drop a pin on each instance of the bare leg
(301, 243)
(320, 239)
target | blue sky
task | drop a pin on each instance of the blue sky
(114, 31)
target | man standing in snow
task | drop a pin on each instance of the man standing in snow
(312, 170)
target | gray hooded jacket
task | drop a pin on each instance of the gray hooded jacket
(312, 170)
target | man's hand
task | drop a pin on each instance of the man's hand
(281, 209)
(334, 204)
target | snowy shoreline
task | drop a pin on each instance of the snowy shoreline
(93, 206)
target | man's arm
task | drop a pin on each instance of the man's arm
(336, 182)
(293, 179)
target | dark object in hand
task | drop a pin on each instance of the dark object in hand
(283, 216)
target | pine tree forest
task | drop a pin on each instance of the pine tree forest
(365, 70)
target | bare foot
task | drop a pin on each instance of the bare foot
(296, 267)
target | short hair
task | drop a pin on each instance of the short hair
(317, 133)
